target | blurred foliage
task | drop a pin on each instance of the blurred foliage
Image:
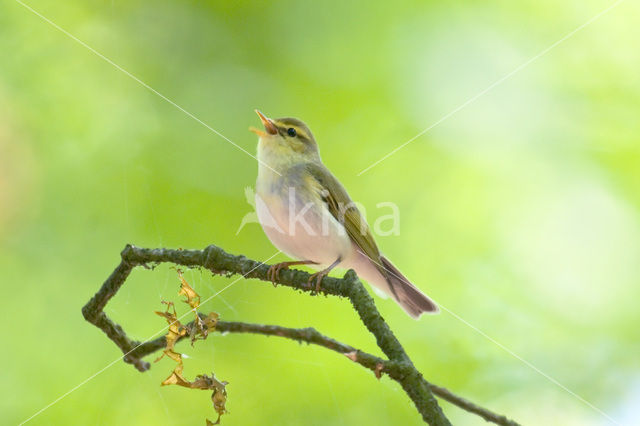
(519, 213)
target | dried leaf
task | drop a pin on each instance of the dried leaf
(219, 398)
(176, 377)
(211, 320)
(193, 298)
(174, 333)
(200, 329)
(219, 395)
(202, 326)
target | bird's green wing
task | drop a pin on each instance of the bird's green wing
(345, 211)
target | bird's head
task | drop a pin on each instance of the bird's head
(286, 136)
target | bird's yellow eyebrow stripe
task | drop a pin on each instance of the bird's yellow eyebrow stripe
(299, 131)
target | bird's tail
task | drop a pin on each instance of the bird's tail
(408, 296)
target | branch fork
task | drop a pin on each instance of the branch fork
(397, 366)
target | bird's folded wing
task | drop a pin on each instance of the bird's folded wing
(345, 211)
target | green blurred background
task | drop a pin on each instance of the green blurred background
(520, 213)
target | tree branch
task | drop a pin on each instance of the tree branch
(398, 366)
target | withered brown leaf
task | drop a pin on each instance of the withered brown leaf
(200, 329)
(193, 298)
(174, 333)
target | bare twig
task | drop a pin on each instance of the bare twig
(398, 366)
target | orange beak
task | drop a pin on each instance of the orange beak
(268, 126)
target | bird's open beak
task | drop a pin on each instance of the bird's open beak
(268, 126)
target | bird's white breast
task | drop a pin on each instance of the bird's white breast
(296, 220)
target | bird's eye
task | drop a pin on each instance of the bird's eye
(291, 132)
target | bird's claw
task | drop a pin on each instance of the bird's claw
(273, 274)
(318, 276)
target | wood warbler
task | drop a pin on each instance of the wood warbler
(308, 215)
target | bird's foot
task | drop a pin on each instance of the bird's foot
(273, 274)
(318, 276)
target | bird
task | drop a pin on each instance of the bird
(307, 214)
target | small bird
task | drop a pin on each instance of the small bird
(307, 213)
